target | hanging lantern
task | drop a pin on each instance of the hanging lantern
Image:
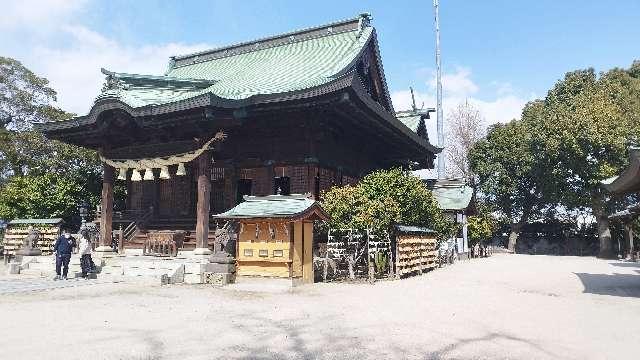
(164, 173)
(181, 171)
(148, 174)
(135, 176)
(123, 174)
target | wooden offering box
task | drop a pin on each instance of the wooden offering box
(276, 236)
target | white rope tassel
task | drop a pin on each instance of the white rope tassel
(148, 174)
(135, 176)
(123, 174)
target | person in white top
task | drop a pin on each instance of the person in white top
(84, 250)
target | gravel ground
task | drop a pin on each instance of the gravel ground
(504, 307)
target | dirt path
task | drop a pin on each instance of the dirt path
(504, 307)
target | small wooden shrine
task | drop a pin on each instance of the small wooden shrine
(276, 236)
(294, 113)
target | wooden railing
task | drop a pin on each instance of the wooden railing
(133, 228)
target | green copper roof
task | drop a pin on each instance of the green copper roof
(411, 118)
(280, 64)
(414, 229)
(629, 180)
(272, 206)
(411, 121)
(452, 195)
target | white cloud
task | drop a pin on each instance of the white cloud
(455, 84)
(75, 71)
(70, 55)
(35, 14)
(458, 87)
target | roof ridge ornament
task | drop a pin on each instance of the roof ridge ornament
(113, 83)
(364, 21)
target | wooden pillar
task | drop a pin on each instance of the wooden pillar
(106, 214)
(204, 203)
(298, 256)
(307, 252)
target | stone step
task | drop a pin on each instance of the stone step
(44, 267)
(36, 272)
(43, 273)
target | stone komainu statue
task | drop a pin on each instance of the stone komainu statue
(224, 238)
(31, 241)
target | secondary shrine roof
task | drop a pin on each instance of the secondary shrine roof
(452, 195)
(275, 206)
(412, 118)
(629, 180)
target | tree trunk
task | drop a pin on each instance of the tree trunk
(515, 230)
(604, 234)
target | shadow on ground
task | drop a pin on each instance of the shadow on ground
(448, 351)
(625, 285)
(626, 264)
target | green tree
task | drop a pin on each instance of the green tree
(508, 174)
(42, 196)
(482, 225)
(29, 161)
(584, 130)
(384, 198)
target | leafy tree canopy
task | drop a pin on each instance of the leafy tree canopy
(38, 177)
(584, 130)
(384, 198)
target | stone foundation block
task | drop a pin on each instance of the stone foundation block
(193, 268)
(192, 278)
(218, 279)
(14, 268)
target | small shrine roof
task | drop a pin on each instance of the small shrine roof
(414, 229)
(629, 180)
(452, 194)
(276, 206)
(52, 221)
(628, 213)
(411, 118)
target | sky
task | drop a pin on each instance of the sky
(496, 55)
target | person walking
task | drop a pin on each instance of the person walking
(84, 246)
(62, 250)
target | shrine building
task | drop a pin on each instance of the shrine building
(295, 113)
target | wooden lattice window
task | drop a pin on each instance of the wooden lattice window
(217, 173)
(282, 185)
(299, 179)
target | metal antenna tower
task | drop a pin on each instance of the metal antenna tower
(440, 119)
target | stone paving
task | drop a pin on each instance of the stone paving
(11, 286)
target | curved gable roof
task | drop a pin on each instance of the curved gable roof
(281, 64)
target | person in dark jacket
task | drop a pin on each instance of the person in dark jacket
(62, 250)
